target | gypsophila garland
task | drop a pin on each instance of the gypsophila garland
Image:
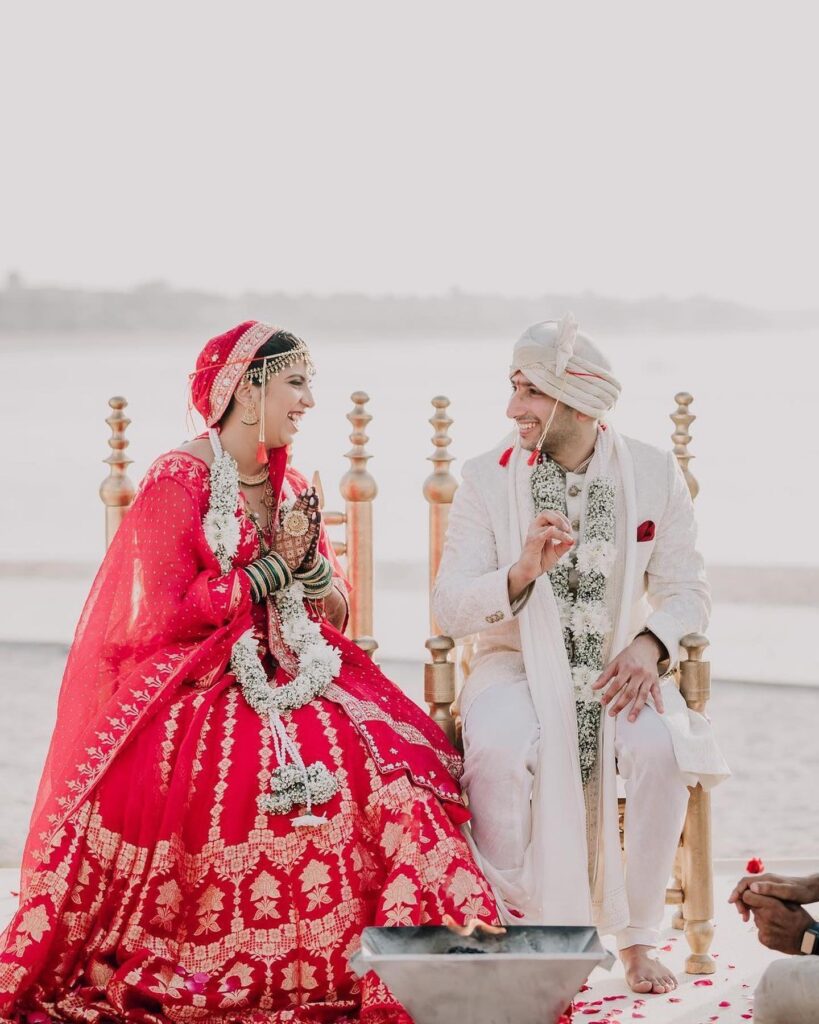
(220, 523)
(584, 613)
(292, 783)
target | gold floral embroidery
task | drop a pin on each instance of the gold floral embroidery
(298, 974)
(464, 886)
(264, 892)
(398, 899)
(224, 765)
(208, 906)
(235, 984)
(314, 880)
(168, 901)
(168, 746)
(35, 923)
(392, 837)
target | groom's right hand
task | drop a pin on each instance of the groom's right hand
(548, 539)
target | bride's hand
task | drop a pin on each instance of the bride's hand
(297, 535)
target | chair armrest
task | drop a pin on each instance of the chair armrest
(695, 674)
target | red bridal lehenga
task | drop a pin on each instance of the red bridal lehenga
(154, 888)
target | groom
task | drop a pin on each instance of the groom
(571, 555)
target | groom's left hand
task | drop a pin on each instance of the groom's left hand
(632, 677)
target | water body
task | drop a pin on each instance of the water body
(755, 442)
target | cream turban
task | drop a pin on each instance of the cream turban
(567, 366)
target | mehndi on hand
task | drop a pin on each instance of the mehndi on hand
(298, 529)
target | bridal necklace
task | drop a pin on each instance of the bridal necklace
(253, 481)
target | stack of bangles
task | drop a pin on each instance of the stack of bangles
(271, 573)
(317, 581)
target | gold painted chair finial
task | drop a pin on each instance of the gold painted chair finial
(439, 490)
(681, 438)
(116, 490)
(359, 489)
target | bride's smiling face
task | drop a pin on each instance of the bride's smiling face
(287, 398)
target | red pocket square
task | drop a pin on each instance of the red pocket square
(646, 530)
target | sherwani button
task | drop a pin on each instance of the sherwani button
(574, 490)
(575, 524)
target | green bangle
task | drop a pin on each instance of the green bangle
(268, 575)
(319, 583)
(279, 570)
(258, 589)
(314, 573)
(315, 593)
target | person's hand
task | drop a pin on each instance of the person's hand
(472, 926)
(548, 539)
(781, 887)
(632, 678)
(780, 925)
(298, 530)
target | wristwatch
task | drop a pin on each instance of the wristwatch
(810, 940)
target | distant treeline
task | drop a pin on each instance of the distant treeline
(158, 306)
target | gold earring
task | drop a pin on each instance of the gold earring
(250, 416)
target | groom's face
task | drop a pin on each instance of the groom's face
(531, 409)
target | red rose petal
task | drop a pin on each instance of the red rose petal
(674, 999)
(755, 866)
(703, 981)
(724, 1003)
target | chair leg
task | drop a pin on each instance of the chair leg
(698, 883)
(678, 918)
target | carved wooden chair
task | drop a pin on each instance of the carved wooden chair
(691, 889)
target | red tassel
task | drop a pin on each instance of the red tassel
(261, 453)
(533, 457)
(504, 459)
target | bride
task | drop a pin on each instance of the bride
(233, 789)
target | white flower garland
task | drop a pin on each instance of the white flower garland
(584, 614)
(220, 523)
(292, 782)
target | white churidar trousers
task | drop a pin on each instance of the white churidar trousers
(501, 736)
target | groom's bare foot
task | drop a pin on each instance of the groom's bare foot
(644, 973)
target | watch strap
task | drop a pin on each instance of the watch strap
(810, 940)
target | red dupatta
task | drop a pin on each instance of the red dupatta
(160, 614)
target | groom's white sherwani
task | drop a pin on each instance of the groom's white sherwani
(522, 777)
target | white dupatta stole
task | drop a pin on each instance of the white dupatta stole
(563, 880)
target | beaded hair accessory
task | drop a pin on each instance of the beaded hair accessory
(272, 365)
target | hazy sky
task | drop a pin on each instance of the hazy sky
(626, 147)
